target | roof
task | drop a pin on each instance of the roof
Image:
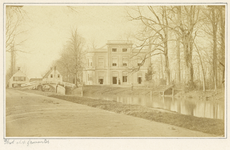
(35, 79)
(19, 73)
(47, 74)
(120, 42)
(101, 49)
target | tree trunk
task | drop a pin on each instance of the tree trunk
(222, 36)
(167, 70)
(202, 68)
(75, 80)
(162, 68)
(13, 61)
(214, 25)
(178, 76)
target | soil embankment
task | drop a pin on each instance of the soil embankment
(206, 125)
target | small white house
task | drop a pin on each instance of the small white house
(52, 76)
(18, 79)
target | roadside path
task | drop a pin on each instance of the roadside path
(32, 115)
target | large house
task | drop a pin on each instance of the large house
(18, 79)
(116, 63)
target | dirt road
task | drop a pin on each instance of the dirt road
(32, 115)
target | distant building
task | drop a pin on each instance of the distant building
(18, 79)
(35, 79)
(117, 63)
(52, 76)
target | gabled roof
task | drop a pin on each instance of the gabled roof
(47, 74)
(19, 73)
(102, 48)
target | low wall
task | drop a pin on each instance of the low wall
(78, 91)
(60, 90)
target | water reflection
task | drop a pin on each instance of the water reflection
(198, 108)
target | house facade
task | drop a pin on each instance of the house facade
(52, 76)
(18, 79)
(117, 63)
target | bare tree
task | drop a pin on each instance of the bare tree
(222, 37)
(14, 19)
(155, 33)
(215, 29)
(71, 62)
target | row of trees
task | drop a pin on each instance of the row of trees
(191, 40)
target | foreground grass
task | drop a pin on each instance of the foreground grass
(206, 125)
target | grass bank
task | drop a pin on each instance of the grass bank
(206, 125)
(115, 90)
(218, 95)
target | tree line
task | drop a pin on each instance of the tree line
(187, 43)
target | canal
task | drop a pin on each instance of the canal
(189, 106)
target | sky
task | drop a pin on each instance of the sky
(49, 27)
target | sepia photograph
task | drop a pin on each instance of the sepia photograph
(115, 71)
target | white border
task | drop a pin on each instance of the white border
(127, 143)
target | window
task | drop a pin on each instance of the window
(124, 61)
(114, 61)
(114, 80)
(139, 80)
(124, 49)
(115, 77)
(89, 77)
(21, 79)
(139, 62)
(101, 80)
(139, 77)
(51, 76)
(90, 63)
(101, 62)
(58, 75)
(125, 78)
(114, 49)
